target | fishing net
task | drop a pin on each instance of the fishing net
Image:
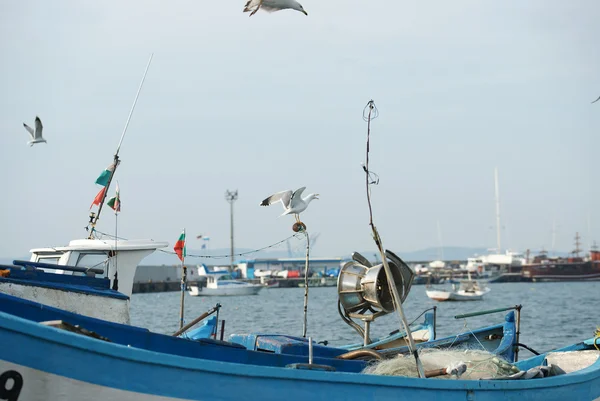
(480, 364)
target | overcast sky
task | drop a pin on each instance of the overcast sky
(275, 102)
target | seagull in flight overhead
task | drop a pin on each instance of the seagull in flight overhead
(36, 136)
(270, 6)
(596, 100)
(292, 201)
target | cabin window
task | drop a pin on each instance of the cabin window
(95, 260)
(51, 260)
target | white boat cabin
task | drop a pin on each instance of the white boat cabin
(116, 259)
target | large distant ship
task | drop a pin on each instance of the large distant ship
(573, 268)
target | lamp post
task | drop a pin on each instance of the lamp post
(231, 197)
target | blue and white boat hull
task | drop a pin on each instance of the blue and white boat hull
(55, 364)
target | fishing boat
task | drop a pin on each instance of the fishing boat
(92, 277)
(574, 268)
(108, 359)
(468, 290)
(134, 364)
(221, 283)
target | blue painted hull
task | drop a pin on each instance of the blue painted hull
(280, 349)
(45, 353)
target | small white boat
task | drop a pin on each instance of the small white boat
(220, 283)
(469, 290)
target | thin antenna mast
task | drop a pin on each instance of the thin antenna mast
(116, 161)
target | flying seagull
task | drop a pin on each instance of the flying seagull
(596, 100)
(270, 6)
(292, 201)
(36, 136)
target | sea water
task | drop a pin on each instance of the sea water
(553, 314)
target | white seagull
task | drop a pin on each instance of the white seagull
(36, 136)
(270, 6)
(292, 201)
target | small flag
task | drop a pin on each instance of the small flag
(98, 197)
(179, 247)
(105, 175)
(115, 201)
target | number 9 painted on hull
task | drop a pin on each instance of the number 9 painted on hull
(12, 393)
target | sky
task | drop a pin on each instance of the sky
(275, 102)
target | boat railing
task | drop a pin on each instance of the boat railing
(516, 308)
(28, 265)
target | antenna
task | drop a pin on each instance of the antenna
(116, 161)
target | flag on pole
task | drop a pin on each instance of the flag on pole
(105, 175)
(179, 247)
(98, 197)
(115, 201)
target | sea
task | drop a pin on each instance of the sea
(552, 314)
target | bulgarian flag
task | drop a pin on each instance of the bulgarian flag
(179, 247)
(98, 197)
(105, 175)
(115, 201)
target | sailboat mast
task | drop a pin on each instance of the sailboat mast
(554, 237)
(497, 210)
(441, 252)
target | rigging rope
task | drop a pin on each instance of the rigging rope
(297, 236)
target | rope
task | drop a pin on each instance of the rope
(189, 255)
(596, 338)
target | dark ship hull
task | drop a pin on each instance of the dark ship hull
(564, 270)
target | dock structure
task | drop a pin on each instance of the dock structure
(275, 272)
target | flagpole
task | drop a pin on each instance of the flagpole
(116, 161)
(183, 280)
(115, 285)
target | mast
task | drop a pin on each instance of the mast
(441, 252)
(497, 210)
(589, 229)
(554, 237)
(94, 217)
(577, 244)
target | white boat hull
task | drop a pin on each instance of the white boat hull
(111, 309)
(456, 295)
(225, 291)
(33, 384)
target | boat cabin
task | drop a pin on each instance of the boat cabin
(116, 259)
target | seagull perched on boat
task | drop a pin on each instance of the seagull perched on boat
(36, 136)
(596, 100)
(292, 201)
(270, 6)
